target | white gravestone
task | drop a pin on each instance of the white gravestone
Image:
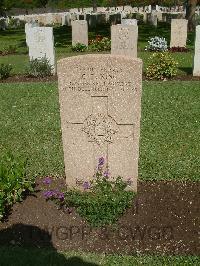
(129, 22)
(79, 32)
(41, 44)
(178, 32)
(100, 106)
(196, 70)
(124, 40)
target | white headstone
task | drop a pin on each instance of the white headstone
(196, 70)
(124, 40)
(178, 32)
(79, 32)
(28, 26)
(154, 18)
(41, 44)
(129, 22)
(100, 106)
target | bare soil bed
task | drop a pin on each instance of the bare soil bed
(164, 219)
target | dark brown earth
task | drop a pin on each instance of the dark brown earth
(22, 78)
(164, 219)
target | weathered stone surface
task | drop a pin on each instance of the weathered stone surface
(100, 115)
(124, 40)
(79, 32)
(41, 44)
(129, 22)
(196, 70)
(178, 32)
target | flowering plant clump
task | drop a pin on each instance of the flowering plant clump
(100, 201)
(161, 66)
(39, 68)
(100, 44)
(52, 194)
(79, 47)
(156, 43)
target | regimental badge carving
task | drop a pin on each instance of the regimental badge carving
(123, 38)
(100, 128)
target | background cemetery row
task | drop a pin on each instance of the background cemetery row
(81, 7)
(124, 38)
(102, 16)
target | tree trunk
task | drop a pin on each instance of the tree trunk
(190, 14)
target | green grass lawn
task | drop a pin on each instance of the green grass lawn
(62, 37)
(32, 257)
(170, 132)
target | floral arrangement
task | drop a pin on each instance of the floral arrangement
(156, 43)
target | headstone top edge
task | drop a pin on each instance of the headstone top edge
(107, 56)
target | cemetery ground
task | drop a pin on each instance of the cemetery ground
(161, 228)
(167, 202)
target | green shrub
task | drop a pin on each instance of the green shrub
(39, 68)
(161, 66)
(103, 44)
(13, 182)
(5, 70)
(79, 47)
(103, 200)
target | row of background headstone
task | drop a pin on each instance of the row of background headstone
(124, 38)
(149, 8)
(147, 15)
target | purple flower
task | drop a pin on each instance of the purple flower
(86, 185)
(61, 196)
(129, 181)
(47, 181)
(101, 161)
(106, 173)
(53, 194)
(48, 193)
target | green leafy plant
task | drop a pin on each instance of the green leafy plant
(161, 66)
(5, 70)
(13, 182)
(79, 47)
(102, 200)
(100, 44)
(39, 68)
